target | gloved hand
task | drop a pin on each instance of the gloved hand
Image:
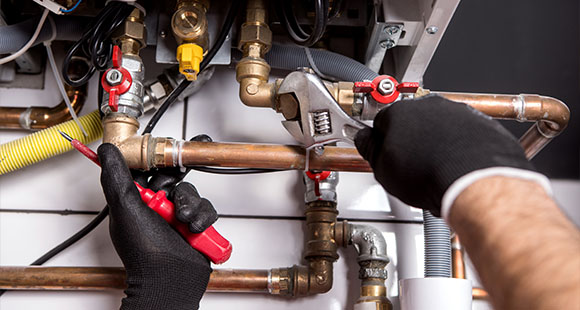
(163, 270)
(419, 148)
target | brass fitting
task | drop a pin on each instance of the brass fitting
(343, 94)
(252, 72)
(121, 130)
(321, 252)
(373, 291)
(255, 35)
(132, 35)
(341, 91)
(189, 23)
(189, 26)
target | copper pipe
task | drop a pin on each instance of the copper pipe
(103, 278)
(232, 280)
(551, 115)
(458, 265)
(268, 156)
(42, 117)
(479, 294)
(62, 278)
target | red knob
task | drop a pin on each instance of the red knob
(116, 80)
(385, 89)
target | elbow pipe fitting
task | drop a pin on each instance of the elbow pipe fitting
(321, 252)
(551, 115)
(252, 72)
(368, 242)
(43, 117)
(371, 247)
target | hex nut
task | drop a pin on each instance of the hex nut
(252, 33)
(157, 90)
(132, 30)
(114, 77)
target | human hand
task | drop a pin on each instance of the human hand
(419, 148)
(163, 270)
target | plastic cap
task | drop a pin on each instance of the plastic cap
(189, 56)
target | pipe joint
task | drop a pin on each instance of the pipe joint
(369, 243)
(121, 130)
(321, 189)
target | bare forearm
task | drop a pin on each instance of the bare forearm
(525, 250)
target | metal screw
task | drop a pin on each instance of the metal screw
(432, 30)
(114, 77)
(387, 43)
(391, 30)
(319, 150)
(163, 34)
(386, 87)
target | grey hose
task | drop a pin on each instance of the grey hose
(332, 64)
(13, 37)
(437, 247)
(291, 57)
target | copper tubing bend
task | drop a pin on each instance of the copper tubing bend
(102, 278)
(43, 117)
(551, 115)
(458, 264)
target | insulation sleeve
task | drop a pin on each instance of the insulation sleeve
(437, 247)
(291, 57)
(13, 37)
(47, 143)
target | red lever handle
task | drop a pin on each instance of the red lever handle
(213, 245)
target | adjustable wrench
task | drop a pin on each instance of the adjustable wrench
(322, 120)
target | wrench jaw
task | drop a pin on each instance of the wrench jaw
(322, 120)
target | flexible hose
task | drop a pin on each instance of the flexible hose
(329, 63)
(47, 143)
(437, 247)
(13, 37)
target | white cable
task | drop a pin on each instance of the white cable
(29, 43)
(61, 86)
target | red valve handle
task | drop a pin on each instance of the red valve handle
(209, 242)
(317, 177)
(372, 89)
(121, 88)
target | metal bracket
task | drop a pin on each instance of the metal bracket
(383, 37)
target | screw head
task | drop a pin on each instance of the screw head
(386, 87)
(392, 30)
(319, 150)
(432, 30)
(387, 44)
(163, 34)
(114, 77)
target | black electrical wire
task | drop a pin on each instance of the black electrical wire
(70, 241)
(95, 42)
(295, 31)
(229, 21)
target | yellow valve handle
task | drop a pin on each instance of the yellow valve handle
(189, 56)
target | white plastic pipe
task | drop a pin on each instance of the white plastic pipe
(435, 294)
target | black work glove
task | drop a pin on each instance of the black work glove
(163, 270)
(418, 148)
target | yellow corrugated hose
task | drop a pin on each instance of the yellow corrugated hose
(47, 143)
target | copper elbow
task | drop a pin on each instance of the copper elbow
(43, 117)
